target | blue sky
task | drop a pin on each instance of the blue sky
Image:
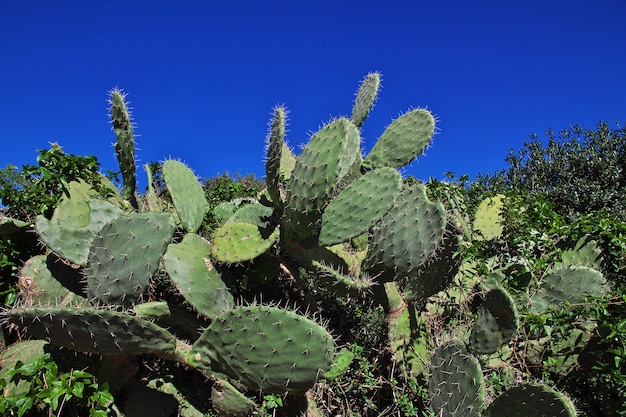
(203, 76)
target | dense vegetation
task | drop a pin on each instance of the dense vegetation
(520, 293)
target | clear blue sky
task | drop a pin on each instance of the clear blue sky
(203, 76)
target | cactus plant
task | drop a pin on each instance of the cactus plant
(266, 348)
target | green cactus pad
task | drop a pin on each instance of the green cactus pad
(187, 194)
(93, 330)
(410, 233)
(125, 145)
(530, 400)
(73, 226)
(365, 98)
(567, 285)
(404, 140)
(125, 254)
(266, 348)
(323, 163)
(455, 384)
(437, 273)
(190, 269)
(39, 287)
(488, 218)
(240, 242)
(497, 322)
(254, 213)
(585, 253)
(275, 146)
(358, 206)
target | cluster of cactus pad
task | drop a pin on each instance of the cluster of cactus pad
(350, 219)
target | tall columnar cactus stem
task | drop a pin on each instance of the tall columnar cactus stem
(190, 269)
(497, 322)
(125, 145)
(530, 400)
(405, 139)
(266, 348)
(359, 206)
(365, 97)
(93, 330)
(125, 254)
(326, 160)
(187, 194)
(275, 146)
(455, 384)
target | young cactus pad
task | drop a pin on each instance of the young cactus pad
(125, 145)
(365, 98)
(266, 348)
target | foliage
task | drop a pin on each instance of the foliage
(579, 170)
(43, 387)
(36, 189)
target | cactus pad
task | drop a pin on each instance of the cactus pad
(365, 98)
(496, 324)
(455, 383)
(125, 254)
(571, 285)
(530, 400)
(275, 146)
(404, 140)
(93, 330)
(409, 234)
(359, 206)
(187, 194)
(190, 269)
(266, 348)
(488, 217)
(325, 160)
(240, 242)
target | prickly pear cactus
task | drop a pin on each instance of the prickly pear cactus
(455, 383)
(125, 145)
(187, 194)
(567, 285)
(125, 254)
(530, 400)
(365, 98)
(404, 140)
(266, 348)
(488, 218)
(497, 322)
(93, 330)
